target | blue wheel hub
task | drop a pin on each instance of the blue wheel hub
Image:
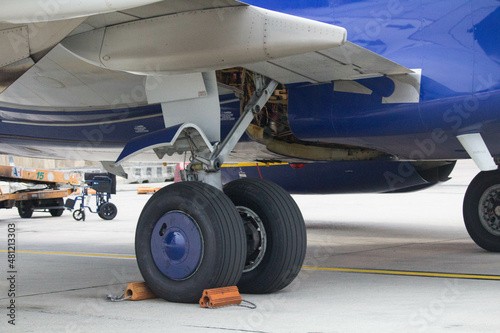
(177, 245)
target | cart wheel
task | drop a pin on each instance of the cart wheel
(108, 211)
(25, 209)
(56, 212)
(59, 211)
(79, 215)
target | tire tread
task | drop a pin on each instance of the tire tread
(291, 231)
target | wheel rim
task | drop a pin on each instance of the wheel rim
(256, 238)
(177, 245)
(78, 214)
(489, 210)
(108, 210)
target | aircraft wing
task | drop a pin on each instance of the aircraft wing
(101, 39)
(31, 29)
(344, 62)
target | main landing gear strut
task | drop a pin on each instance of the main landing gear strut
(195, 235)
(482, 210)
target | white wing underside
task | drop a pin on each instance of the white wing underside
(346, 62)
(62, 80)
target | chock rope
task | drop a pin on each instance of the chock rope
(211, 298)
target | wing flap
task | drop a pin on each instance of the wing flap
(346, 62)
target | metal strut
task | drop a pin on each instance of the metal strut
(208, 166)
(206, 159)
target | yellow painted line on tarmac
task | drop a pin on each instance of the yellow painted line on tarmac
(406, 273)
(330, 269)
(77, 254)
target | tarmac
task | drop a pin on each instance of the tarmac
(375, 263)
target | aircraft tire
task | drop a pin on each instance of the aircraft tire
(481, 210)
(189, 238)
(25, 209)
(263, 203)
(108, 211)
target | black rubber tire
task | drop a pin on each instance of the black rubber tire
(285, 229)
(218, 221)
(479, 234)
(56, 212)
(108, 211)
(79, 215)
(25, 209)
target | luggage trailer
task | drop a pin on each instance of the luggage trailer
(50, 199)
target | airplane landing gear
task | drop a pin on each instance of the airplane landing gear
(191, 236)
(481, 210)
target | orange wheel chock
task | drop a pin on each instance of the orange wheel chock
(138, 291)
(215, 298)
(147, 190)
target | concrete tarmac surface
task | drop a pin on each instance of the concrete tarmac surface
(375, 263)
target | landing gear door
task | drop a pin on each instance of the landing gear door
(187, 97)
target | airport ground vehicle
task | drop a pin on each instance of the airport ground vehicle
(44, 193)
